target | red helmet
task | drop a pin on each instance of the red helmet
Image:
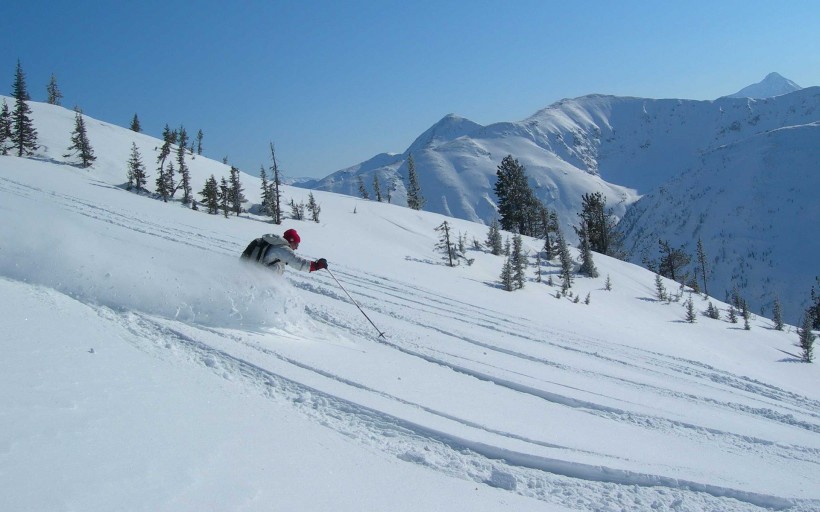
(292, 236)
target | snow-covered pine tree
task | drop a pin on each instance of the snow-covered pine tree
(805, 338)
(54, 94)
(169, 137)
(701, 255)
(587, 265)
(199, 137)
(313, 207)
(608, 284)
(566, 261)
(185, 175)
(712, 312)
(236, 197)
(5, 129)
(732, 314)
(444, 243)
(414, 197)
(494, 241)
(264, 191)
(518, 260)
(210, 195)
(79, 142)
(778, 315)
(507, 280)
(137, 176)
(363, 193)
(23, 134)
(660, 290)
(690, 310)
(377, 187)
(224, 196)
(275, 195)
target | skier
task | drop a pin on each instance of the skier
(274, 251)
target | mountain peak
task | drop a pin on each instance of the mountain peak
(773, 85)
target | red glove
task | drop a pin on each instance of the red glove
(318, 264)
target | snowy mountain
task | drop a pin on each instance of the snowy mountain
(145, 368)
(773, 85)
(626, 147)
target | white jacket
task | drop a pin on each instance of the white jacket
(278, 254)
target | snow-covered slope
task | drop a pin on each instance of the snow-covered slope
(145, 368)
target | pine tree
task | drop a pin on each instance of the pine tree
(747, 315)
(587, 265)
(518, 207)
(608, 284)
(672, 261)
(362, 189)
(297, 210)
(136, 170)
(537, 267)
(135, 124)
(598, 225)
(732, 314)
(169, 137)
(236, 197)
(5, 129)
(814, 308)
(444, 243)
(806, 338)
(210, 195)
(79, 142)
(377, 187)
(275, 195)
(494, 241)
(54, 94)
(414, 197)
(690, 310)
(549, 225)
(518, 260)
(712, 312)
(224, 195)
(778, 315)
(660, 290)
(23, 134)
(507, 275)
(264, 189)
(185, 175)
(702, 265)
(313, 207)
(566, 261)
(199, 136)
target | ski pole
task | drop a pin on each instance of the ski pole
(381, 334)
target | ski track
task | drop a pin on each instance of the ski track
(550, 480)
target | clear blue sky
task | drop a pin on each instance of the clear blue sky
(333, 83)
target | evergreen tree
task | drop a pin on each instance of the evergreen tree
(444, 243)
(275, 195)
(518, 207)
(5, 129)
(587, 265)
(507, 275)
(169, 137)
(690, 310)
(79, 142)
(135, 124)
(136, 170)
(518, 260)
(494, 241)
(747, 315)
(54, 94)
(732, 314)
(210, 195)
(23, 134)
(264, 189)
(806, 338)
(598, 225)
(608, 284)
(224, 197)
(778, 315)
(185, 175)
(377, 187)
(537, 267)
(414, 197)
(814, 308)
(549, 225)
(672, 261)
(660, 289)
(702, 265)
(236, 197)
(313, 207)
(199, 136)
(297, 211)
(362, 189)
(712, 312)
(566, 261)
